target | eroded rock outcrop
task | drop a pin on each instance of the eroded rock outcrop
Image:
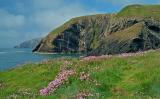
(106, 33)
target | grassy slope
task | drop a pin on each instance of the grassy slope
(126, 34)
(140, 11)
(132, 77)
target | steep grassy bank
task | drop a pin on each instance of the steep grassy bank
(140, 11)
(122, 77)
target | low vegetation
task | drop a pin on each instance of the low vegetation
(126, 76)
(140, 11)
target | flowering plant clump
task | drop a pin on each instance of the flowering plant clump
(59, 80)
(12, 96)
(86, 77)
(90, 58)
(83, 95)
(62, 76)
(25, 92)
(131, 54)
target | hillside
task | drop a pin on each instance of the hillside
(140, 11)
(125, 76)
(29, 44)
(134, 28)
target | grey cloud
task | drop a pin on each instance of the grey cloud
(10, 21)
(48, 19)
(43, 16)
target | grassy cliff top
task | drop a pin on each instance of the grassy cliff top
(140, 11)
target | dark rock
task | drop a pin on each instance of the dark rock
(104, 34)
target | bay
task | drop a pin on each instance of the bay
(11, 57)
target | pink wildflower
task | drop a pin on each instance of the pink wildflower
(44, 91)
(62, 76)
(84, 76)
(90, 58)
(83, 95)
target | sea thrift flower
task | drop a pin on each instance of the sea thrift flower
(59, 80)
(90, 58)
(44, 91)
(83, 95)
(62, 76)
(84, 76)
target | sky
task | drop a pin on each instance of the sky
(22, 20)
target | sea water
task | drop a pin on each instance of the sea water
(11, 57)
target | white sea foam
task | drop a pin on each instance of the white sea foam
(19, 51)
(3, 52)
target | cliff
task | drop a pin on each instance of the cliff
(134, 28)
(29, 44)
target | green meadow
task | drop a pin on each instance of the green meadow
(132, 77)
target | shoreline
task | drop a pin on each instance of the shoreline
(50, 53)
(44, 53)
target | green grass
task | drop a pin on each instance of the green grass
(135, 77)
(140, 11)
(126, 34)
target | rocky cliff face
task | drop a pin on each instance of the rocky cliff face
(143, 35)
(106, 33)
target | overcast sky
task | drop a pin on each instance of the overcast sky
(22, 20)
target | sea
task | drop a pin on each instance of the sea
(12, 57)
